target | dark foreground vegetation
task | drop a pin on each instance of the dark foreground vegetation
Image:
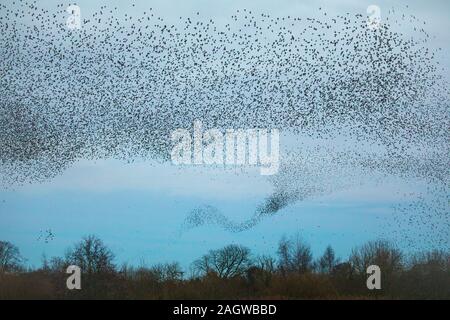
(231, 272)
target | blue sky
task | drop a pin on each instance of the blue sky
(138, 209)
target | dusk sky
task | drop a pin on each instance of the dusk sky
(139, 208)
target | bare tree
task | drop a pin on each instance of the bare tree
(380, 253)
(284, 255)
(261, 273)
(328, 261)
(232, 260)
(294, 255)
(167, 271)
(57, 264)
(10, 258)
(436, 260)
(266, 263)
(92, 256)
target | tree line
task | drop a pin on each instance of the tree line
(231, 272)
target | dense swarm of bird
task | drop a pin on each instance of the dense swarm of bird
(118, 86)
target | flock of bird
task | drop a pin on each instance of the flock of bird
(119, 85)
(46, 236)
